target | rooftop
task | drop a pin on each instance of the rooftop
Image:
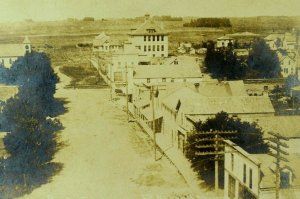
(204, 103)
(167, 71)
(149, 27)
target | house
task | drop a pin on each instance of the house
(9, 53)
(241, 53)
(224, 41)
(7, 92)
(120, 70)
(253, 175)
(289, 41)
(186, 106)
(150, 39)
(288, 62)
(103, 43)
(274, 41)
(178, 72)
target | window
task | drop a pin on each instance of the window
(250, 178)
(162, 47)
(289, 62)
(118, 76)
(184, 80)
(10, 60)
(148, 80)
(244, 174)
(232, 161)
(153, 48)
(284, 179)
(162, 55)
(149, 48)
(162, 38)
(145, 48)
(157, 47)
(157, 37)
(163, 79)
(149, 38)
(172, 80)
(231, 187)
(153, 55)
(145, 38)
(153, 38)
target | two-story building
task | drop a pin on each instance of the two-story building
(9, 53)
(288, 62)
(224, 41)
(150, 39)
(252, 176)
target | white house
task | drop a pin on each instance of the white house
(9, 53)
(224, 41)
(288, 63)
(289, 41)
(103, 43)
(150, 39)
(253, 175)
(274, 41)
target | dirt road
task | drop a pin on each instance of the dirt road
(106, 157)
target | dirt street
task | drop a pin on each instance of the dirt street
(106, 157)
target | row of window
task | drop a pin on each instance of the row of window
(154, 47)
(154, 37)
(164, 80)
(245, 176)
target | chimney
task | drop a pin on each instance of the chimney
(147, 17)
(197, 87)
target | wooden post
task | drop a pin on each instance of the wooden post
(216, 163)
(127, 94)
(153, 121)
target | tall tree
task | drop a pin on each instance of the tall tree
(262, 61)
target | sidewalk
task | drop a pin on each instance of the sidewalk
(175, 157)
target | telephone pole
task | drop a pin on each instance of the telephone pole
(276, 145)
(153, 120)
(127, 112)
(217, 147)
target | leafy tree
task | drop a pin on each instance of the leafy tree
(249, 136)
(263, 62)
(223, 63)
(32, 138)
(291, 82)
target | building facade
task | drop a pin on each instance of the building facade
(150, 39)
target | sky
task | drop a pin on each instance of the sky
(50, 10)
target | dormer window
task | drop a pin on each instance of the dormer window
(285, 178)
(151, 30)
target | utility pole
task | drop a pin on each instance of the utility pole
(111, 83)
(276, 146)
(217, 147)
(153, 120)
(127, 112)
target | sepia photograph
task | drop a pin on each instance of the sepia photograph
(140, 99)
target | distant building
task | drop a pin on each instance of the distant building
(241, 53)
(103, 43)
(289, 41)
(9, 53)
(253, 175)
(274, 41)
(150, 39)
(167, 73)
(224, 41)
(288, 62)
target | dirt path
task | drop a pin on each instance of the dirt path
(106, 157)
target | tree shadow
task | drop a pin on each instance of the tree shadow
(15, 182)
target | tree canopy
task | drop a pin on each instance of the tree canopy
(209, 22)
(249, 136)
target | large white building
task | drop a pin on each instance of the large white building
(150, 39)
(9, 53)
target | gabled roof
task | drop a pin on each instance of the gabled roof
(197, 104)
(147, 27)
(101, 39)
(275, 36)
(244, 34)
(225, 37)
(12, 50)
